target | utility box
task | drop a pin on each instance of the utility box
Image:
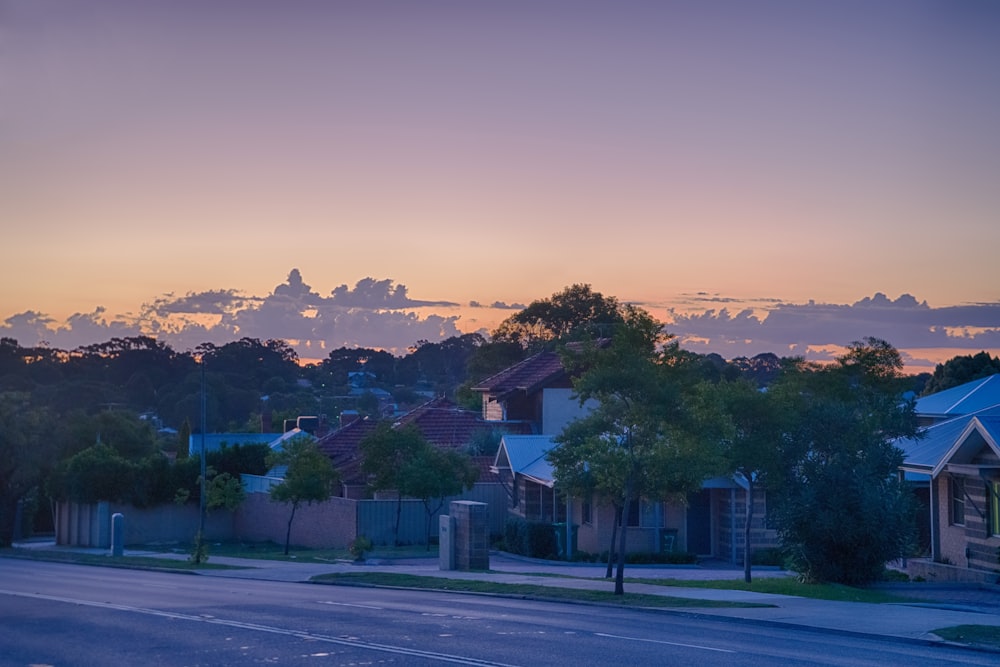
(446, 542)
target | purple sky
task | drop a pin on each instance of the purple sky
(796, 159)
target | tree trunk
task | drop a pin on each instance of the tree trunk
(288, 530)
(746, 531)
(620, 575)
(611, 547)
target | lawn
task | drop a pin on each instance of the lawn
(987, 636)
(276, 552)
(785, 586)
(106, 560)
(520, 590)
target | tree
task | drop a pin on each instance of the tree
(961, 369)
(25, 455)
(632, 445)
(843, 512)
(745, 424)
(577, 311)
(309, 477)
(434, 474)
(387, 454)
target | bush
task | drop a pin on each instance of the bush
(771, 556)
(535, 539)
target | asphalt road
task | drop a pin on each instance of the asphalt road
(60, 614)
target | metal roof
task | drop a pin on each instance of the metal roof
(963, 399)
(525, 454)
(929, 451)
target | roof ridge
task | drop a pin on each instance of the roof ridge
(979, 385)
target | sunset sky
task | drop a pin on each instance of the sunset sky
(821, 170)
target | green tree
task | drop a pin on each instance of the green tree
(633, 444)
(387, 453)
(746, 425)
(25, 455)
(97, 473)
(309, 477)
(961, 369)
(842, 510)
(577, 311)
(433, 475)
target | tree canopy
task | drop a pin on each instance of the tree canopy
(961, 369)
(842, 511)
(633, 444)
(576, 311)
(309, 477)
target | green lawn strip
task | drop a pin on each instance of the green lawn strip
(276, 552)
(974, 635)
(785, 586)
(132, 562)
(528, 590)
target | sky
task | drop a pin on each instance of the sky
(766, 176)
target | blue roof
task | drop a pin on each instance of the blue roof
(927, 451)
(963, 399)
(526, 455)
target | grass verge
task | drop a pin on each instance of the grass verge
(522, 590)
(786, 586)
(986, 636)
(130, 562)
(276, 552)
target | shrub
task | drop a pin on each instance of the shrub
(770, 556)
(535, 539)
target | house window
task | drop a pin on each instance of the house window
(993, 508)
(644, 514)
(632, 520)
(958, 501)
(585, 510)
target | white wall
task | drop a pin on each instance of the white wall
(559, 408)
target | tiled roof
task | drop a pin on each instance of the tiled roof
(342, 448)
(526, 375)
(445, 424)
(441, 422)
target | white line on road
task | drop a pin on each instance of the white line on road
(342, 641)
(657, 641)
(347, 604)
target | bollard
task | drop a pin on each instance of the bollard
(117, 534)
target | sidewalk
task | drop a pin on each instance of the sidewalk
(952, 606)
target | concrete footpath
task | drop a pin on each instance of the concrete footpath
(934, 606)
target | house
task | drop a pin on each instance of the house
(954, 467)
(538, 392)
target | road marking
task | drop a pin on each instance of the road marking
(347, 604)
(657, 641)
(342, 641)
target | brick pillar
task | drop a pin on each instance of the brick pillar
(471, 536)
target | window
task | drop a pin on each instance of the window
(645, 514)
(585, 511)
(993, 508)
(958, 501)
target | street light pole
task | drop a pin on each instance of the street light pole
(202, 499)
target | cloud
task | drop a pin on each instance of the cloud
(381, 314)
(375, 313)
(371, 293)
(498, 305)
(806, 328)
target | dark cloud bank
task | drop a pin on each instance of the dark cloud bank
(381, 314)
